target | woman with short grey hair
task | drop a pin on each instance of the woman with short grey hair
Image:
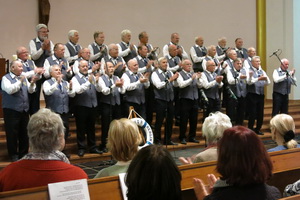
(212, 130)
(45, 163)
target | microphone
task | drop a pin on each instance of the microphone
(231, 94)
(275, 52)
(204, 95)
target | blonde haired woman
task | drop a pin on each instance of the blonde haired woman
(283, 132)
(123, 141)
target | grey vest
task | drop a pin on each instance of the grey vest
(17, 101)
(29, 67)
(118, 72)
(97, 50)
(173, 62)
(72, 51)
(258, 87)
(40, 61)
(220, 50)
(63, 67)
(58, 101)
(212, 92)
(189, 92)
(240, 86)
(114, 97)
(166, 93)
(283, 87)
(143, 63)
(88, 98)
(198, 66)
(131, 54)
(242, 53)
(135, 96)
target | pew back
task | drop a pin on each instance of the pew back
(286, 170)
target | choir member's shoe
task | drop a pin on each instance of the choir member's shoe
(157, 142)
(183, 141)
(81, 152)
(171, 143)
(96, 151)
(259, 133)
(14, 158)
(193, 140)
(104, 149)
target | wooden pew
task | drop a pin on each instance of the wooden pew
(286, 170)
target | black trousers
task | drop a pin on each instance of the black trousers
(108, 113)
(214, 105)
(34, 98)
(280, 103)
(16, 132)
(85, 118)
(236, 110)
(188, 113)
(164, 110)
(256, 112)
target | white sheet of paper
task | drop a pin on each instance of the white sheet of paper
(77, 189)
(123, 186)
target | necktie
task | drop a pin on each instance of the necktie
(145, 61)
(27, 66)
(59, 87)
(175, 61)
(189, 75)
(136, 77)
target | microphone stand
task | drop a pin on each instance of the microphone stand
(288, 74)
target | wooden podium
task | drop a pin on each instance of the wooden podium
(2, 73)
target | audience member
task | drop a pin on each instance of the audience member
(15, 104)
(123, 141)
(283, 132)
(212, 130)
(244, 166)
(153, 174)
(44, 163)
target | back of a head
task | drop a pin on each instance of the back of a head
(284, 126)
(123, 139)
(213, 127)
(153, 174)
(242, 158)
(45, 131)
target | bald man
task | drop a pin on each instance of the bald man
(283, 79)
